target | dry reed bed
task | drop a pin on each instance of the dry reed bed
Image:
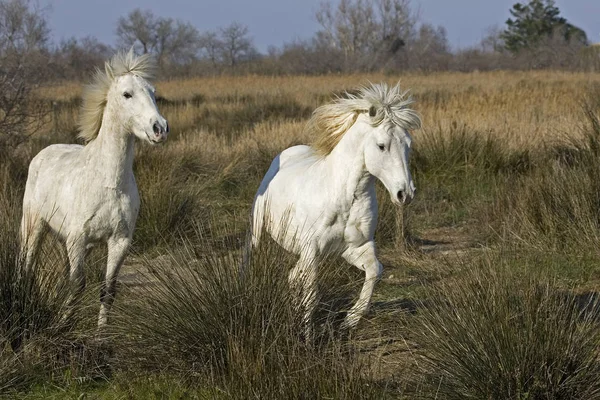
(525, 108)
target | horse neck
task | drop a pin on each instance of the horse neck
(111, 153)
(347, 164)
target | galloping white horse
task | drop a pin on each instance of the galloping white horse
(87, 194)
(318, 199)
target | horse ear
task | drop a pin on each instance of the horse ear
(130, 54)
(372, 111)
(108, 69)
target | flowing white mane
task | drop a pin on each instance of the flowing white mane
(94, 94)
(383, 103)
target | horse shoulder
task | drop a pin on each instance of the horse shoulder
(362, 219)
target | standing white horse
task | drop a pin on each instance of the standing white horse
(318, 199)
(87, 194)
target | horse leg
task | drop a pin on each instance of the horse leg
(364, 258)
(303, 281)
(117, 250)
(254, 233)
(32, 232)
(76, 251)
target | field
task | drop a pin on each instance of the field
(490, 276)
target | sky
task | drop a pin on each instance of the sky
(275, 22)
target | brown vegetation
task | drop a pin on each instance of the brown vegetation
(505, 226)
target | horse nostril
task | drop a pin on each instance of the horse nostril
(156, 128)
(167, 130)
(401, 195)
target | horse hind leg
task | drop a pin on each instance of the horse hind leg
(32, 232)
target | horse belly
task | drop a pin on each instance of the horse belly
(331, 239)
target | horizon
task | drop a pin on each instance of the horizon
(276, 23)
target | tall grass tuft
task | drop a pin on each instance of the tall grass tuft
(499, 332)
(169, 192)
(558, 205)
(198, 316)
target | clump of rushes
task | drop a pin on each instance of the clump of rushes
(499, 333)
(197, 316)
(40, 325)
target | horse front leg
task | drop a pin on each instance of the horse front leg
(363, 258)
(117, 250)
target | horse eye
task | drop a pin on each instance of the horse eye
(381, 147)
(127, 95)
(372, 111)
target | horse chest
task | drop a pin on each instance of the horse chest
(114, 214)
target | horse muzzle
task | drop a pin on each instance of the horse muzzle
(159, 132)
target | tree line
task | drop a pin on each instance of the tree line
(354, 36)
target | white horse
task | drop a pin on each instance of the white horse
(314, 200)
(87, 194)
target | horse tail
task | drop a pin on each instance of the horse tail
(254, 232)
(258, 215)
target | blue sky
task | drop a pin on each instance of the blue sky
(274, 22)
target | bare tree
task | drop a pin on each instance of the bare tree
(173, 41)
(176, 41)
(236, 44)
(138, 28)
(24, 35)
(492, 41)
(76, 57)
(397, 23)
(366, 30)
(351, 27)
(430, 49)
(212, 46)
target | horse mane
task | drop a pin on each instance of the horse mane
(94, 94)
(383, 103)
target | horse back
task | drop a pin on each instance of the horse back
(295, 153)
(48, 170)
(54, 161)
(283, 160)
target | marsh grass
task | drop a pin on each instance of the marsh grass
(503, 332)
(44, 335)
(508, 160)
(557, 205)
(241, 332)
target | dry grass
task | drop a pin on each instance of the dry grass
(505, 170)
(523, 108)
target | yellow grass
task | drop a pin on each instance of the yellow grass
(525, 108)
